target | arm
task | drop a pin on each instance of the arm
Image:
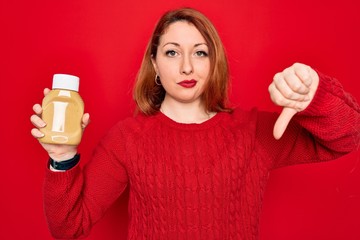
(76, 199)
(328, 128)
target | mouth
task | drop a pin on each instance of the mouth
(188, 83)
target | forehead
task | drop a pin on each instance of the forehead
(182, 32)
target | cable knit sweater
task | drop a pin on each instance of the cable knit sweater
(197, 181)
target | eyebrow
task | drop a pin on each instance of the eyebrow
(178, 45)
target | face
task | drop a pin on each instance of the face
(182, 62)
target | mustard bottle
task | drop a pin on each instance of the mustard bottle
(63, 109)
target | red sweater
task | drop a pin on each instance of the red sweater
(197, 181)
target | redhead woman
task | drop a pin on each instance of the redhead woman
(195, 167)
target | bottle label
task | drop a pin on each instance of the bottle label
(58, 124)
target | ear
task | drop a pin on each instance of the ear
(153, 61)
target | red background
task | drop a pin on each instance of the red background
(103, 42)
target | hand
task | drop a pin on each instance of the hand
(57, 152)
(293, 89)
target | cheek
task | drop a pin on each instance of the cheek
(166, 68)
(204, 70)
(166, 72)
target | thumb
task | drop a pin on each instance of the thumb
(283, 121)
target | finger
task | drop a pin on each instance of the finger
(289, 88)
(283, 121)
(37, 109)
(46, 91)
(303, 72)
(85, 120)
(278, 98)
(37, 121)
(36, 133)
(295, 83)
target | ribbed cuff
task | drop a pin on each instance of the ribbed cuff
(319, 103)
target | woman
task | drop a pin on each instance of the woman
(196, 169)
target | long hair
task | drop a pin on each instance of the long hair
(149, 96)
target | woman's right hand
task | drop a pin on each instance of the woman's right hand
(58, 152)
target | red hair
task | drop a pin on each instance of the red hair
(149, 96)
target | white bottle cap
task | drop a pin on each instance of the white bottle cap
(66, 81)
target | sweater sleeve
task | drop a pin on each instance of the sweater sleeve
(327, 129)
(76, 199)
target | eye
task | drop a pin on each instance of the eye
(201, 54)
(171, 53)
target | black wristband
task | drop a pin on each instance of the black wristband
(65, 165)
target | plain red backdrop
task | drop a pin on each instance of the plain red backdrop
(103, 42)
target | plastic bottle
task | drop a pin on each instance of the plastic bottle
(63, 109)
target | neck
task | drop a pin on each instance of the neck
(194, 112)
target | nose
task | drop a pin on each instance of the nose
(186, 65)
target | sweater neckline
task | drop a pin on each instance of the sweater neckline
(190, 126)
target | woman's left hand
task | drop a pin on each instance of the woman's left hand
(293, 89)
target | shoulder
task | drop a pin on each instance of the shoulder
(246, 117)
(253, 121)
(243, 115)
(126, 131)
(134, 125)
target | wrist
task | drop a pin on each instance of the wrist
(62, 156)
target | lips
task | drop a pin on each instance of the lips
(188, 83)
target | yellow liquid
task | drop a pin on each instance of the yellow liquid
(62, 113)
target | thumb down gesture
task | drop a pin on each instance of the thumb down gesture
(293, 89)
